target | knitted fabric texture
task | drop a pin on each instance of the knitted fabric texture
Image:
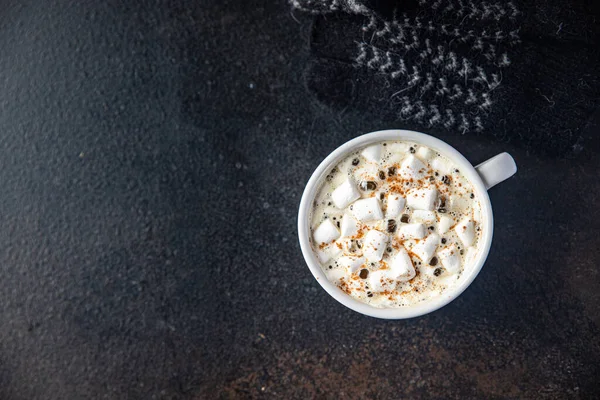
(439, 64)
(325, 6)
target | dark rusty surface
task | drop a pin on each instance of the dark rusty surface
(153, 158)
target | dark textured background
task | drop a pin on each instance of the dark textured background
(152, 158)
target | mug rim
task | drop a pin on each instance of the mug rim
(425, 306)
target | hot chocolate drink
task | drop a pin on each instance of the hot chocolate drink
(395, 223)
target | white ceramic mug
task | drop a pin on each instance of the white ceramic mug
(483, 177)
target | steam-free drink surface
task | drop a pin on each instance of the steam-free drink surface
(395, 223)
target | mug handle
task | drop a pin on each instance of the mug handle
(497, 169)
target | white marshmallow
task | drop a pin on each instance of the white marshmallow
(427, 217)
(329, 252)
(345, 194)
(366, 172)
(380, 281)
(401, 266)
(441, 166)
(335, 275)
(372, 153)
(428, 272)
(325, 233)
(352, 283)
(458, 202)
(374, 245)
(426, 248)
(450, 259)
(333, 249)
(350, 226)
(465, 230)
(412, 167)
(424, 153)
(395, 158)
(367, 209)
(412, 231)
(323, 256)
(445, 224)
(401, 148)
(395, 205)
(351, 263)
(422, 199)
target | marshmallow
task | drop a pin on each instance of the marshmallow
(374, 245)
(412, 167)
(366, 172)
(350, 226)
(328, 252)
(367, 209)
(395, 205)
(445, 224)
(325, 233)
(323, 256)
(450, 259)
(466, 231)
(425, 249)
(333, 249)
(412, 231)
(401, 148)
(351, 263)
(426, 217)
(345, 194)
(372, 153)
(458, 202)
(380, 281)
(335, 275)
(441, 166)
(395, 158)
(401, 266)
(422, 199)
(353, 284)
(424, 153)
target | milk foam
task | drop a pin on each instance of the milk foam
(395, 223)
